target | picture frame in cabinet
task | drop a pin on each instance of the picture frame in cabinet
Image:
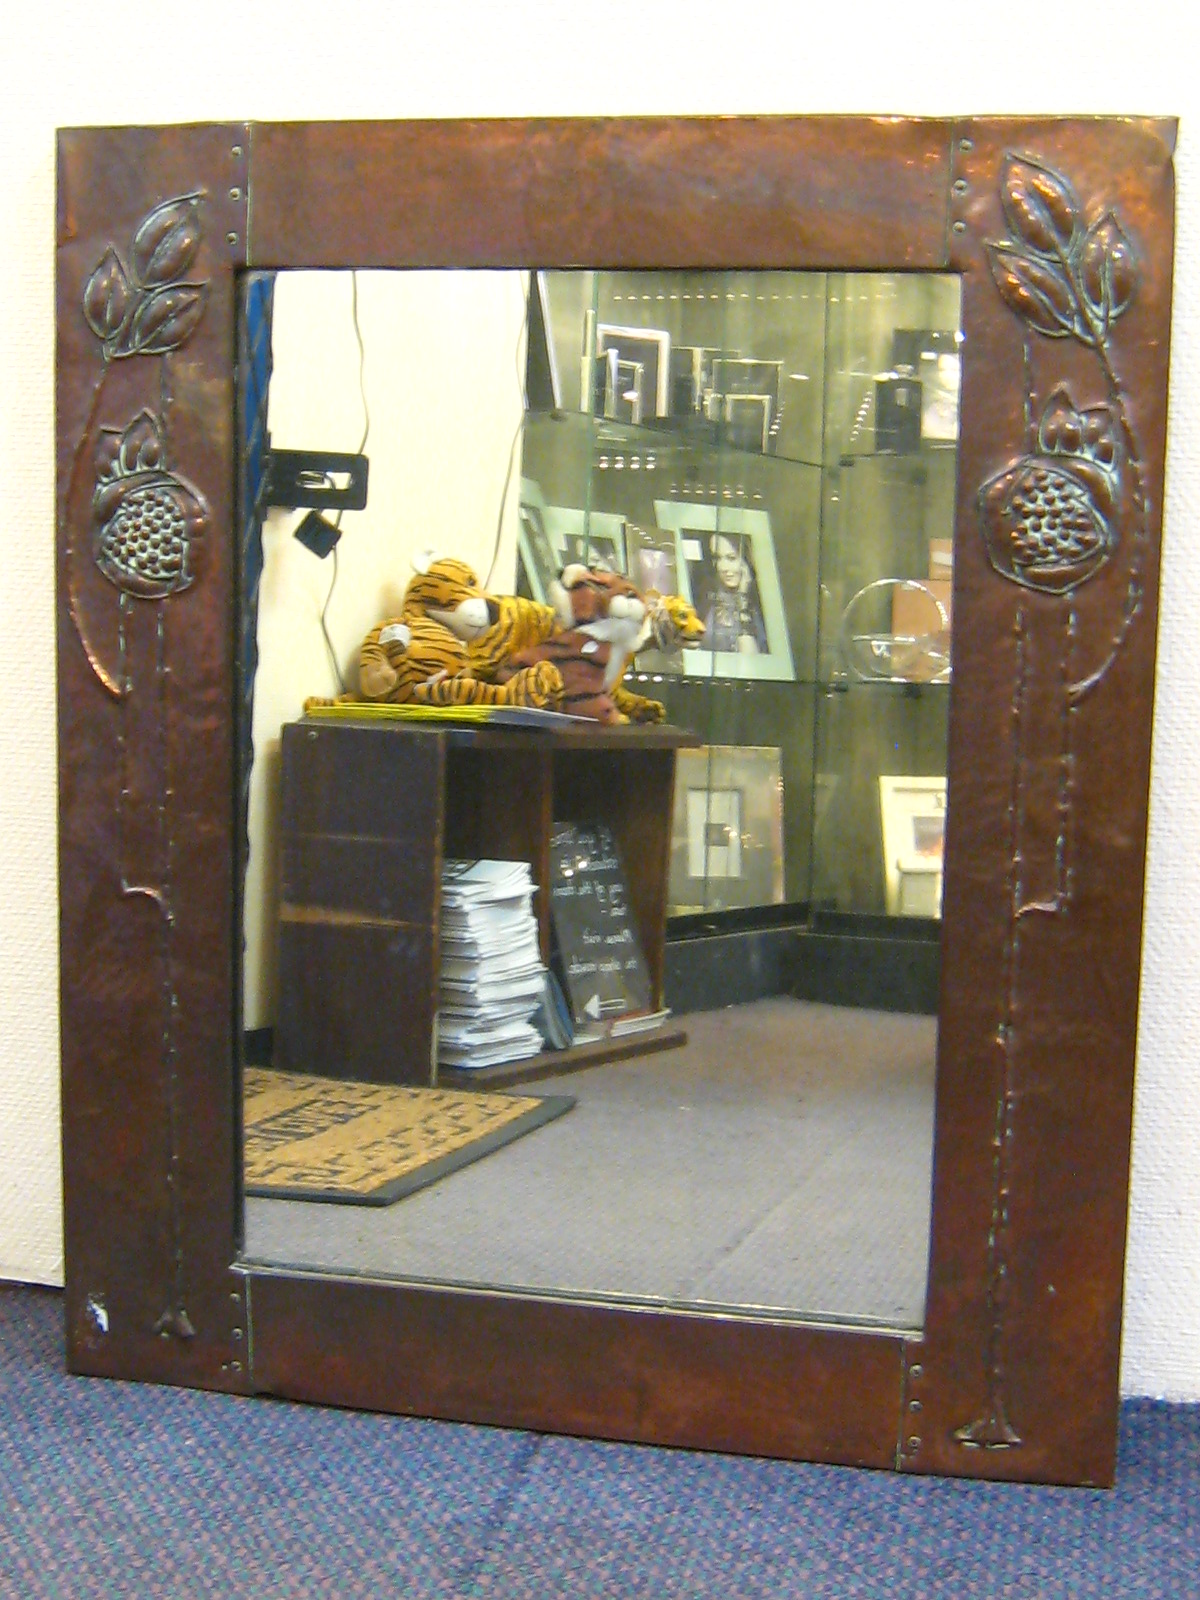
(590, 538)
(551, 537)
(912, 816)
(727, 846)
(1014, 1371)
(933, 356)
(643, 360)
(537, 558)
(726, 569)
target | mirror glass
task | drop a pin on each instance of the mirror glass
(739, 487)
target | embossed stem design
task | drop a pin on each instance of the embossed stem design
(174, 1321)
(111, 684)
(1135, 593)
(991, 1430)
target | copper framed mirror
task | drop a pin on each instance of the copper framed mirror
(1059, 236)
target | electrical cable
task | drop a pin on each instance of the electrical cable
(362, 444)
(522, 390)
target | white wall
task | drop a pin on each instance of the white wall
(66, 65)
(441, 377)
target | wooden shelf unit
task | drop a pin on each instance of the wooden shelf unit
(370, 810)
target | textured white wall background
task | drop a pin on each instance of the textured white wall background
(76, 63)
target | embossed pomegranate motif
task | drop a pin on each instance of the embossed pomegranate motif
(147, 515)
(1048, 518)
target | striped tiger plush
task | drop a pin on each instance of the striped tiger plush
(439, 650)
(397, 662)
(492, 628)
(448, 633)
(423, 663)
(671, 624)
(600, 616)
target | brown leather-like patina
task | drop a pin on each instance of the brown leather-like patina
(1062, 231)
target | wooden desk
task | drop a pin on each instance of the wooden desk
(370, 810)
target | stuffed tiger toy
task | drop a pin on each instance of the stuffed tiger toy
(442, 648)
(421, 662)
(491, 629)
(601, 616)
(671, 624)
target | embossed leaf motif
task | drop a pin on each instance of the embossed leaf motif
(141, 443)
(165, 319)
(165, 245)
(1036, 290)
(1040, 205)
(107, 296)
(144, 308)
(1108, 269)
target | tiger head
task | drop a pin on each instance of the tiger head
(672, 624)
(447, 591)
(604, 605)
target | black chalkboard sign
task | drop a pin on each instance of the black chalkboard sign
(596, 948)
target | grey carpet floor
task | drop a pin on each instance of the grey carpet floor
(781, 1161)
(115, 1490)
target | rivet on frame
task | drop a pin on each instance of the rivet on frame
(237, 152)
(231, 238)
(235, 194)
(966, 145)
(916, 1372)
(960, 226)
(960, 186)
(914, 1439)
(914, 1405)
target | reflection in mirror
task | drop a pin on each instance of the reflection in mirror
(740, 488)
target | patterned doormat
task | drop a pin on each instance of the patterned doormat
(309, 1138)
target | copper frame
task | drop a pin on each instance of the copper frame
(1062, 231)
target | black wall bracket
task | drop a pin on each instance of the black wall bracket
(322, 480)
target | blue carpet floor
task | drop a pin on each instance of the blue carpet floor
(119, 1489)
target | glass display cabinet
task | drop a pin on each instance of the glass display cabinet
(779, 449)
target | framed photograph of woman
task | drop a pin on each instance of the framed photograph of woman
(725, 561)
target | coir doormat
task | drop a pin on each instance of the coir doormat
(309, 1138)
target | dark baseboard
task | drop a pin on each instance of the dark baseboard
(257, 1046)
(882, 973)
(727, 969)
(882, 968)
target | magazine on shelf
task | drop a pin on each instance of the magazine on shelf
(495, 716)
(491, 981)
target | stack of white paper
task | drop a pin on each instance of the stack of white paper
(492, 977)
